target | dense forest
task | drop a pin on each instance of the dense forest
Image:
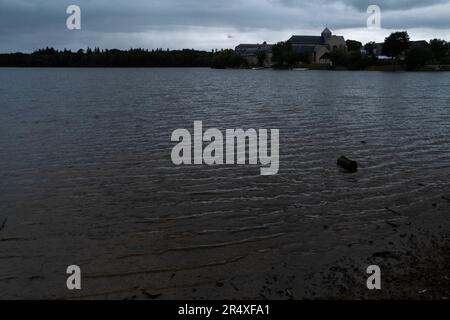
(49, 57)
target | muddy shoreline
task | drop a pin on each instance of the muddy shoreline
(413, 254)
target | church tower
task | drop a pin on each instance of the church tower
(326, 34)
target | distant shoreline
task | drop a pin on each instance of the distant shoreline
(340, 69)
(190, 58)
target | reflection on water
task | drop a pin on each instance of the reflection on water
(86, 176)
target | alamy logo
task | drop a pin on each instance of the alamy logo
(74, 280)
(73, 22)
(235, 140)
(374, 19)
(374, 281)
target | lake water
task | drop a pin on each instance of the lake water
(86, 176)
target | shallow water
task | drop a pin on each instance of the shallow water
(86, 176)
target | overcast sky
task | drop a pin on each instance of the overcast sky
(26, 25)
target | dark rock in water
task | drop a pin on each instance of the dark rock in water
(150, 295)
(347, 164)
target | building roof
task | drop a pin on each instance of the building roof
(254, 46)
(253, 49)
(304, 49)
(339, 37)
(248, 46)
(311, 40)
(419, 42)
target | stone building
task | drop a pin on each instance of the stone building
(251, 52)
(316, 48)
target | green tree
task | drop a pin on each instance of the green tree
(228, 59)
(358, 61)
(49, 57)
(304, 57)
(339, 57)
(283, 54)
(370, 49)
(261, 56)
(417, 56)
(353, 45)
(439, 49)
(396, 44)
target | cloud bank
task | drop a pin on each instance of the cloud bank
(26, 25)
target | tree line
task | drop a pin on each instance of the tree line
(50, 57)
(356, 56)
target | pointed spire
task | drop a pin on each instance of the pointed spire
(326, 33)
(326, 30)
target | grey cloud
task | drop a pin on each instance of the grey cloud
(361, 5)
(393, 4)
(28, 24)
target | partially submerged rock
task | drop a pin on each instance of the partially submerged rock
(347, 164)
